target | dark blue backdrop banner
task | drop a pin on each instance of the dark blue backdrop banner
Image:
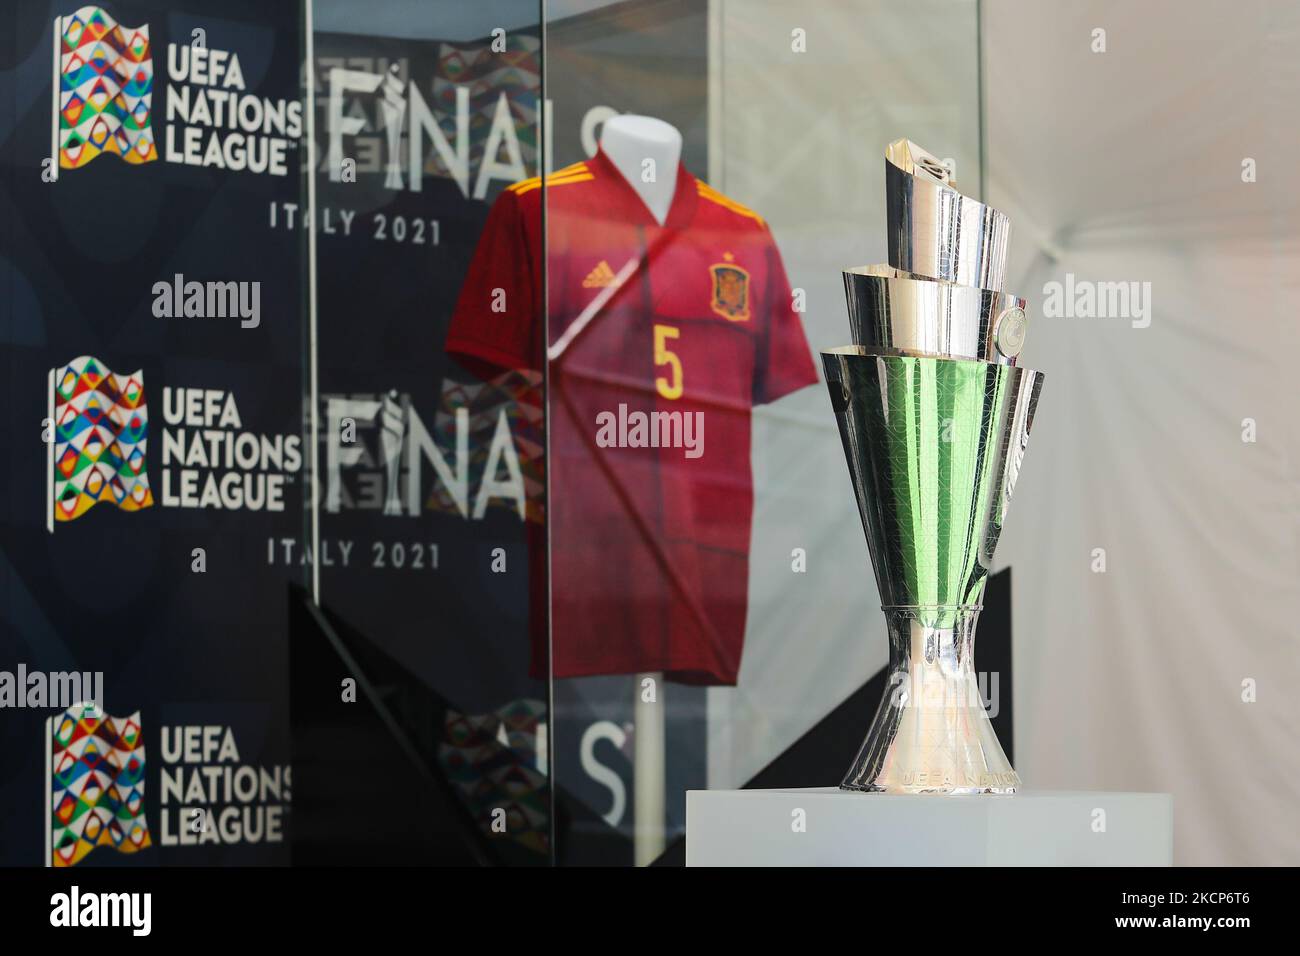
(158, 335)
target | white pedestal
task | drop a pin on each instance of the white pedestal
(841, 828)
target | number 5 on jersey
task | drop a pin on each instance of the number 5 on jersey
(669, 387)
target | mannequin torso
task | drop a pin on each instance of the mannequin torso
(629, 141)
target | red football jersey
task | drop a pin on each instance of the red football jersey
(649, 511)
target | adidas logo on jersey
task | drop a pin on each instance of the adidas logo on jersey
(600, 277)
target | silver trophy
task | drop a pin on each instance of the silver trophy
(934, 415)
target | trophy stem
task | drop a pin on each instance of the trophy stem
(931, 733)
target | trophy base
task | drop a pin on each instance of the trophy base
(931, 733)
(1033, 828)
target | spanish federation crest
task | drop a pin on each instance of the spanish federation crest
(730, 291)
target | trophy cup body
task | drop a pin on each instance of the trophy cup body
(934, 415)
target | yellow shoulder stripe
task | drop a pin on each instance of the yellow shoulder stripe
(712, 195)
(521, 188)
(535, 181)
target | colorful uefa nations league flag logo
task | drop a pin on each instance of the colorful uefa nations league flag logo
(102, 102)
(104, 90)
(100, 431)
(94, 784)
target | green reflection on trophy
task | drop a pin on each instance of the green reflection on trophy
(934, 415)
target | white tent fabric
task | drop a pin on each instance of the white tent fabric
(1127, 166)
(1122, 166)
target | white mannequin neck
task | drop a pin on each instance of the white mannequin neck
(629, 141)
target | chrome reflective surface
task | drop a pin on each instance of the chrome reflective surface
(936, 231)
(934, 414)
(934, 448)
(899, 311)
(931, 733)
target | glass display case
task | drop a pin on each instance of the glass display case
(711, 168)
(716, 167)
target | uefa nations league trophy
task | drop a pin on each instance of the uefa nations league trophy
(934, 415)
